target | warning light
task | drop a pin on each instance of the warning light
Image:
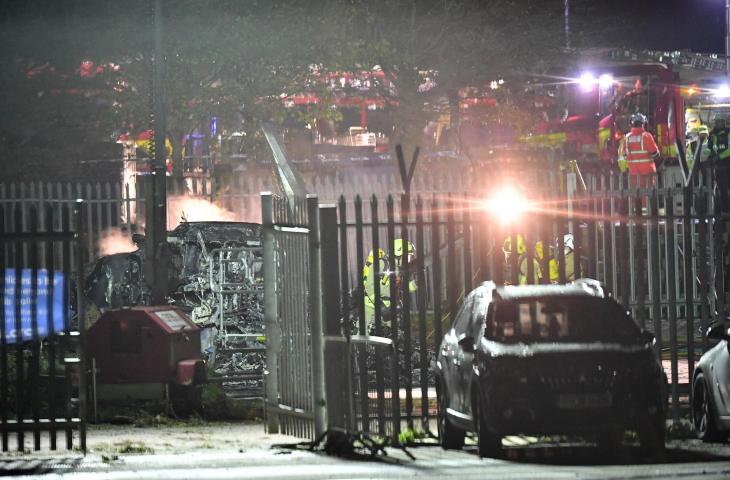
(507, 204)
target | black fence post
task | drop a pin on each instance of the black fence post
(66, 268)
(405, 294)
(421, 294)
(377, 311)
(35, 347)
(52, 339)
(687, 238)
(344, 277)
(486, 269)
(436, 270)
(19, 364)
(704, 276)
(451, 280)
(395, 369)
(655, 263)
(672, 300)
(360, 262)
(5, 249)
(362, 359)
(466, 235)
(592, 248)
(543, 236)
(79, 236)
(337, 388)
(640, 255)
(624, 251)
(608, 219)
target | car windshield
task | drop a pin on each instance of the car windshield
(561, 319)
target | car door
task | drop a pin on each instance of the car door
(721, 367)
(474, 330)
(452, 356)
(464, 357)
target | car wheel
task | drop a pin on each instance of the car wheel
(652, 437)
(490, 444)
(450, 436)
(703, 414)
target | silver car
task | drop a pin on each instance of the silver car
(711, 388)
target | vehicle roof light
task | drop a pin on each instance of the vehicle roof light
(605, 81)
(587, 81)
(723, 91)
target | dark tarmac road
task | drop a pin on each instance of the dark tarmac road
(684, 459)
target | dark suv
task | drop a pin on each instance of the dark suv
(548, 359)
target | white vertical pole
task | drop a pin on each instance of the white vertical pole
(315, 292)
(273, 332)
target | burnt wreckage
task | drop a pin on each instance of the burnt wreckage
(215, 275)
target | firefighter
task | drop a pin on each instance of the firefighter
(640, 151)
(507, 250)
(698, 135)
(368, 278)
(569, 255)
(537, 271)
(403, 253)
(721, 156)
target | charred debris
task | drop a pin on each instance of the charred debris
(215, 274)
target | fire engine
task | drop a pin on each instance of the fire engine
(597, 108)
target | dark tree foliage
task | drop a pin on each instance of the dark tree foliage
(238, 61)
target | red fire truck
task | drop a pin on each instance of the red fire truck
(597, 108)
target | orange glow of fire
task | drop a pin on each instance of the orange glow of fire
(181, 208)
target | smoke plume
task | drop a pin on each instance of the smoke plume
(113, 240)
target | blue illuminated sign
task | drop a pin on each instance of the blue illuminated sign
(29, 299)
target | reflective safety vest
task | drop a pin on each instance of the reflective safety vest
(553, 270)
(705, 153)
(640, 151)
(719, 143)
(368, 276)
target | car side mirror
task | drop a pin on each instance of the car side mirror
(718, 332)
(467, 343)
(647, 337)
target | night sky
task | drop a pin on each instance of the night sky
(697, 25)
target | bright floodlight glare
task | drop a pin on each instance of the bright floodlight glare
(507, 204)
(723, 91)
(605, 81)
(587, 80)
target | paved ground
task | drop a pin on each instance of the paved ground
(228, 451)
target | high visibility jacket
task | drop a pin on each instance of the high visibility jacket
(553, 270)
(705, 153)
(368, 276)
(383, 278)
(640, 151)
(719, 142)
(621, 160)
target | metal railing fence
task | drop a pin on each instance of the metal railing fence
(655, 250)
(42, 331)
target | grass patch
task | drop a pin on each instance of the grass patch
(217, 406)
(128, 446)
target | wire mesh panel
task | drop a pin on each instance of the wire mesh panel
(42, 332)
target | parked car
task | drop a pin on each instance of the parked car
(711, 388)
(548, 359)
